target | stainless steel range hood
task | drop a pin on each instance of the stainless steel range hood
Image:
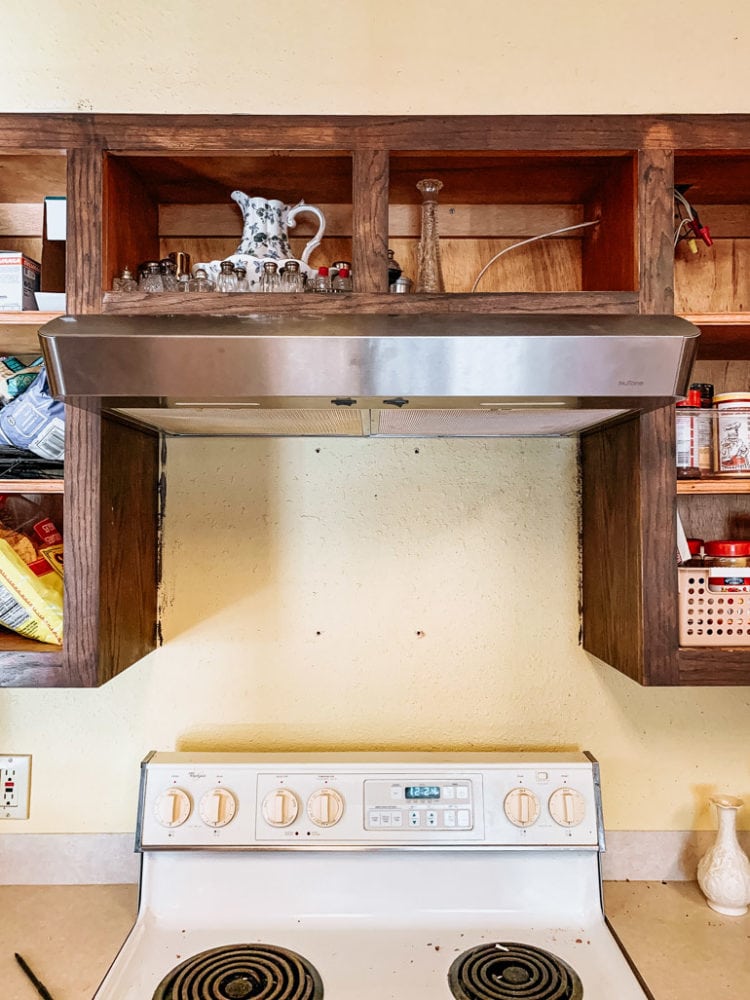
(456, 375)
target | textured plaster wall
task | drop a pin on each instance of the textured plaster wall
(417, 56)
(331, 594)
(366, 595)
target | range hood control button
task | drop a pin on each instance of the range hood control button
(280, 807)
(398, 401)
(325, 807)
(521, 807)
(344, 401)
(173, 807)
(567, 807)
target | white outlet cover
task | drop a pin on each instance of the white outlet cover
(15, 768)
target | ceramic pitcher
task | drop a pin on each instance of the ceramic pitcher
(266, 225)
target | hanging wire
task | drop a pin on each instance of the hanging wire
(531, 239)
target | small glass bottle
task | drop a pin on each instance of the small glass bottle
(342, 282)
(269, 279)
(243, 285)
(152, 280)
(291, 278)
(200, 282)
(168, 274)
(394, 268)
(226, 280)
(320, 282)
(183, 283)
(686, 435)
(125, 283)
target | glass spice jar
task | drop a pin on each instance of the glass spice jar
(726, 552)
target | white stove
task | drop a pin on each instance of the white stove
(368, 876)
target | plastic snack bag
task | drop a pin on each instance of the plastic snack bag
(31, 585)
(35, 421)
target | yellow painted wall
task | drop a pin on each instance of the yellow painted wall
(441, 576)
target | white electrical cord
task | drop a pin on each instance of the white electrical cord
(531, 239)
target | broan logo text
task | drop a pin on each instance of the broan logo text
(630, 381)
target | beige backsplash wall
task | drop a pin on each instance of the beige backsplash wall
(442, 576)
(328, 593)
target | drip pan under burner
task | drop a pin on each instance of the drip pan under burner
(510, 971)
(242, 972)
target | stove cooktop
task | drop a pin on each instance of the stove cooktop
(500, 970)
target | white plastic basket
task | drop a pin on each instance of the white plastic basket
(712, 611)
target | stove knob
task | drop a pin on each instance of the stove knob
(567, 807)
(325, 807)
(173, 807)
(280, 807)
(521, 807)
(217, 807)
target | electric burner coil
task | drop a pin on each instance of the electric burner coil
(510, 971)
(242, 972)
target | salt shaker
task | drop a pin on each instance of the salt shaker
(269, 279)
(226, 280)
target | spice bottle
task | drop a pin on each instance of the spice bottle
(151, 280)
(243, 285)
(269, 279)
(291, 278)
(200, 282)
(727, 552)
(125, 283)
(226, 280)
(686, 427)
(321, 282)
(342, 282)
(168, 274)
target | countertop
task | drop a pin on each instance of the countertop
(70, 934)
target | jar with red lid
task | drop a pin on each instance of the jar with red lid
(695, 545)
(726, 552)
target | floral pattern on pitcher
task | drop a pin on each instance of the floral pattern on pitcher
(265, 236)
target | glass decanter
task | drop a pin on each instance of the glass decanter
(429, 268)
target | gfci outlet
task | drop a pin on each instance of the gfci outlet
(15, 786)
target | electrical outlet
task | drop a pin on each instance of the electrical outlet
(15, 786)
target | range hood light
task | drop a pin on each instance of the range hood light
(224, 404)
(536, 404)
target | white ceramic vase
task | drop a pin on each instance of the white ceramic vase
(724, 870)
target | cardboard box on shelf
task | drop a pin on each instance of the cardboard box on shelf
(19, 280)
(55, 217)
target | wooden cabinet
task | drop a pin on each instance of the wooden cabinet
(141, 186)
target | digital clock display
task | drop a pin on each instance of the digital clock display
(422, 792)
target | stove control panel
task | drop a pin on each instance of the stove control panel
(424, 800)
(421, 804)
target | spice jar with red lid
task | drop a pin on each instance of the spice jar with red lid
(727, 552)
(695, 545)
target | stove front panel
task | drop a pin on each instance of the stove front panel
(241, 800)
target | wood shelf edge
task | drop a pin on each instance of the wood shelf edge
(712, 487)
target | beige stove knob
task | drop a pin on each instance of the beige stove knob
(325, 807)
(521, 807)
(173, 807)
(280, 807)
(217, 807)
(567, 807)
